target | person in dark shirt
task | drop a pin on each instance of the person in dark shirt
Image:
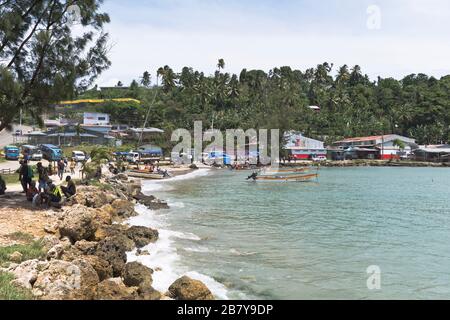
(61, 167)
(25, 175)
(2, 186)
(43, 176)
(71, 189)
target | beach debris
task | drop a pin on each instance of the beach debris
(186, 288)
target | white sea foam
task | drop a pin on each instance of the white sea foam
(190, 175)
(174, 204)
(149, 186)
(199, 249)
(236, 252)
(163, 257)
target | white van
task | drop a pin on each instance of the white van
(133, 157)
(78, 156)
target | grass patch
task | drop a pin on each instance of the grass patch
(11, 178)
(101, 186)
(21, 236)
(11, 292)
(32, 250)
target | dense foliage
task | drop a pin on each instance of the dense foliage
(350, 103)
(49, 50)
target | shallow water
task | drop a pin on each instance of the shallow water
(307, 240)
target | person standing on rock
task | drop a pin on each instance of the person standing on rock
(61, 167)
(73, 165)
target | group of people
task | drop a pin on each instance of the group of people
(63, 164)
(45, 192)
(154, 168)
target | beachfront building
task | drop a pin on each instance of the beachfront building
(98, 122)
(433, 153)
(385, 147)
(300, 147)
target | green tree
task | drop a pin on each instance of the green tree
(43, 57)
(146, 79)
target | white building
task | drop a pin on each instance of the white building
(95, 119)
(303, 148)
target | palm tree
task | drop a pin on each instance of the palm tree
(343, 75)
(220, 65)
(146, 79)
(99, 156)
(168, 78)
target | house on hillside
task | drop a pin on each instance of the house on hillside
(98, 122)
(385, 147)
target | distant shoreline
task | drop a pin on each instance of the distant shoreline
(368, 163)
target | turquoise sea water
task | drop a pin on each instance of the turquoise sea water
(315, 240)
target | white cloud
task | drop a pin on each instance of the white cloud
(197, 36)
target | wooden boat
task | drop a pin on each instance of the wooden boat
(283, 170)
(299, 178)
(145, 174)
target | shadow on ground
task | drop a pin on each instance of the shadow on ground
(14, 200)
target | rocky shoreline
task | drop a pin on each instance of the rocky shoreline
(86, 246)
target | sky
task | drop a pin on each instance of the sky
(387, 38)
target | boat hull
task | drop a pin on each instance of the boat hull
(295, 178)
(145, 175)
(293, 170)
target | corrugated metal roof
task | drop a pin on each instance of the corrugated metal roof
(386, 137)
(434, 150)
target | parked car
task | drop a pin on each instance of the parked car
(32, 153)
(319, 158)
(78, 156)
